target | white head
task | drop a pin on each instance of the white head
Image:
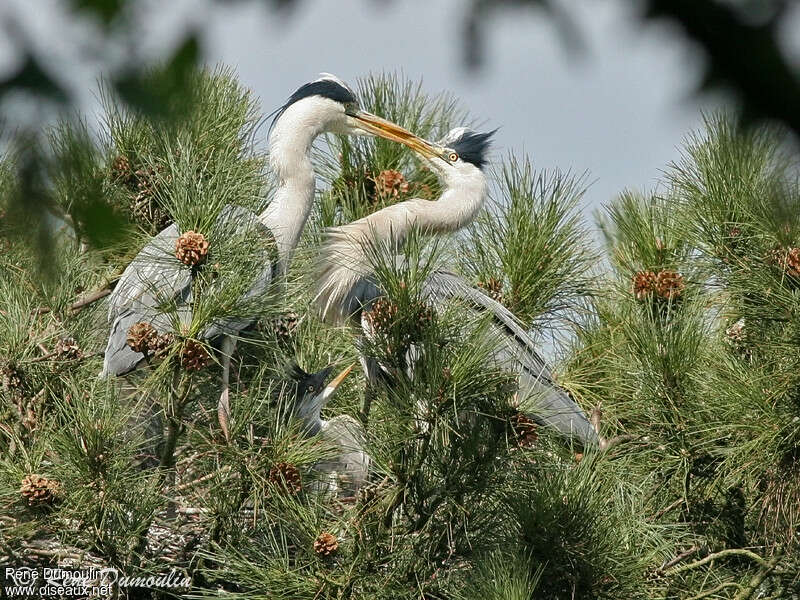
(328, 105)
(462, 154)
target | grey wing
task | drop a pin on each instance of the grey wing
(153, 279)
(540, 397)
(235, 220)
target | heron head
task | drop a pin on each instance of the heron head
(460, 153)
(332, 106)
(311, 393)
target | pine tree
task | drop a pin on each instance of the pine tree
(682, 343)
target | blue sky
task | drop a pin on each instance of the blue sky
(619, 112)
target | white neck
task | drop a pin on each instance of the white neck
(289, 154)
(456, 207)
(343, 260)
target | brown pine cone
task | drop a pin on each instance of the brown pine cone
(669, 284)
(140, 336)
(11, 377)
(286, 478)
(525, 429)
(382, 314)
(191, 248)
(121, 171)
(159, 346)
(67, 348)
(644, 284)
(493, 288)
(788, 259)
(285, 326)
(326, 544)
(38, 490)
(423, 314)
(390, 183)
(194, 356)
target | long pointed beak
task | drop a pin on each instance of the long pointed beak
(330, 389)
(391, 131)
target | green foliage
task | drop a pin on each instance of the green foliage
(687, 344)
(529, 247)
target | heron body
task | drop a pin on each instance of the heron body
(155, 275)
(347, 288)
(156, 288)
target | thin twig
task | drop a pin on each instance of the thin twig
(86, 300)
(615, 441)
(190, 484)
(680, 558)
(721, 554)
(667, 509)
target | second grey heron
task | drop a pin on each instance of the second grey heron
(347, 286)
(156, 277)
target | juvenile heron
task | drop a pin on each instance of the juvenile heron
(156, 277)
(346, 470)
(347, 287)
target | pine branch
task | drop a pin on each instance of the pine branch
(766, 567)
(713, 591)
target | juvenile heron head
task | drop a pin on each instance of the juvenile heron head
(332, 106)
(311, 393)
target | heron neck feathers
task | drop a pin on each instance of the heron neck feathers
(290, 158)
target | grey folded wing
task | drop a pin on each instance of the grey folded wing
(540, 397)
(155, 288)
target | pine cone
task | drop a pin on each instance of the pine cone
(525, 429)
(368, 494)
(493, 288)
(382, 314)
(423, 314)
(285, 326)
(121, 171)
(159, 346)
(644, 283)
(140, 336)
(789, 259)
(194, 356)
(39, 490)
(286, 478)
(444, 389)
(736, 333)
(390, 184)
(669, 284)
(191, 248)
(12, 378)
(67, 349)
(326, 544)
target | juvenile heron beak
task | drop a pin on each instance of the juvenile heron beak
(330, 389)
(386, 129)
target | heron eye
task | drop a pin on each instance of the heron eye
(453, 157)
(310, 389)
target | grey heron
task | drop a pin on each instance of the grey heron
(346, 470)
(347, 287)
(156, 277)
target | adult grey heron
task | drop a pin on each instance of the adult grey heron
(345, 471)
(156, 277)
(347, 287)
